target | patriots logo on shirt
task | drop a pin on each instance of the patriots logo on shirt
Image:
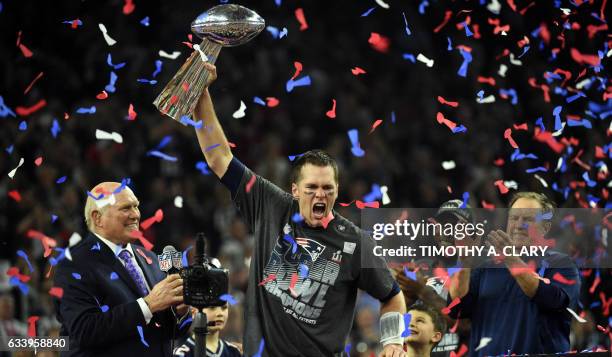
(312, 247)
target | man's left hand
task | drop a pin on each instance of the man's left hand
(392, 350)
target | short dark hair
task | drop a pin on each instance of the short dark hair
(315, 157)
(439, 320)
(547, 204)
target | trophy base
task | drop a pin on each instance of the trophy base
(181, 94)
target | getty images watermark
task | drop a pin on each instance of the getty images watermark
(471, 237)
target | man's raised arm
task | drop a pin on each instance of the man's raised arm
(213, 143)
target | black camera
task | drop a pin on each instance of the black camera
(203, 284)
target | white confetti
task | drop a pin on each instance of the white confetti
(107, 38)
(583, 83)
(382, 4)
(559, 164)
(558, 132)
(448, 165)
(105, 201)
(580, 319)
(385, 199)
(178, 201)
(511, 184)
(566, 11)
(427, 61)
(494, 7)
(72, 241)
(240, 112)
(502, 70)
(488, 99)
(172, 56)
(514, 61)
(483, 342)
(14, 171)
(609, 53)
(103, 135)
(202, 55)
(542, 181)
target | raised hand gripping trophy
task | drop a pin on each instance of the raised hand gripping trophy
(225, 25)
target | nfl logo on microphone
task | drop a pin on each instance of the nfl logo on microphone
(165, 261)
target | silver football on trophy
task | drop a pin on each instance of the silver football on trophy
(224, 25)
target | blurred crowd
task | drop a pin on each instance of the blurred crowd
(404, 153)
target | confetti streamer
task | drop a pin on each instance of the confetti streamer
(408, 32)
(240, 113)
(32, 325)
(107, 38)
(379, 42)
(57, 292)
(299, 15)
(357, 71)
(174, 55)
(375, 125)
(304, 81)
(250, 184)
(298, 69)
(483, 343)
(39, 76)
(25, 111)
(368, 12)
(428, 62)
(103, 135)
(356, 150)
(407, 319)
(332, 112)
(268, 279)
(141, 333)
(13, 171)
(228, 298)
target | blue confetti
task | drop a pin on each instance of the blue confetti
(278, 2)
(188, 121)
(574, 97)
(300, 82)
(293, 157)
(124, 182)
(114, 276)
(304, 270)
(368, 12)
(142, 80)
(374, 195)
(589, 182)
(23, 126)
(70, 22)
(185, 322)
(273, 31)
(407, 319)
(291, 241)
(77, 276)
(55, 128)
(525, 49)
(540, 124)
(90, 110)
(5, 110)
(110, 87)
(142, 339)
(393, 117)
(161, 155)
(347, 349)
(583, 122)
(422, 6)
(459, 129)
(297, 218)
(109, 61)
(509, 92)
(556, 112)
(410, 274)
(259, 101)
(23, 254)
(450, 44)
(452, 271)
(104, 308)
(468, 33)
(14, 281)
(164, 141)
(543, 268)
(353, 135)
(536, 169)
(409, 56)
(202, 167)
(158, 68)
(145, 21)
(53, 218)
(10, 149)
(211, 147)
(228, 298)
(406, 24)
(95, 246)
(53, 261)
(283, 33)
(184, 259)
(260, 350)
(61, 180)
(466, 198)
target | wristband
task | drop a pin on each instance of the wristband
(391, 328)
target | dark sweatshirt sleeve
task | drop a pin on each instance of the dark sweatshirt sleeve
(233, 176)
(562, 291)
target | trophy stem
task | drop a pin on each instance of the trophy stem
(181, 94)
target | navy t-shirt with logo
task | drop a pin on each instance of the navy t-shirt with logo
(303, 281)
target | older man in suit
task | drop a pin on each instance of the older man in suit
(116, 300)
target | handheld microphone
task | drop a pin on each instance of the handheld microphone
(200, 258)
(170, 261)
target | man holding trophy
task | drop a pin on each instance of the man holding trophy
(309, 261)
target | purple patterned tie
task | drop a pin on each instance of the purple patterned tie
(126, 256)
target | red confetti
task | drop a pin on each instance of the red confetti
(158, 217)
(32, 325)
(268, 279)
(46, 241)
(580, 58)
(102, 95)
(14, 271)
(596, 282)
(350, 203)
(15, 195)
(142, 254)
(521, 127)
(232, 145)
(447, 17)
(145, 243)
(23, 111)
(606, 303)
(444, 101)
(593, 30)
(546, 137)
(442, 120)
(378, 42)
(299, 15)
(502, 188)
(454, 303)
(75, 24)
(294, 279)
(603, 18)
(250, 184)
(38, 161)
(524, 10)
(375, 125)
(508, 135)
(489, 80)
(499, 162)
(462, 350)
(487, 205)
(39, 76)
(512, 5)
(332, 112)
(131, 113)
(563, 280)
(454, 328)
(128, 7)
(325, 220)
(26, 51)
(57, 292)
(272, 102)
(298, 69)
(357, 71)
(362, 205)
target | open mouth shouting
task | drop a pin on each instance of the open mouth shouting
(318, 210)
